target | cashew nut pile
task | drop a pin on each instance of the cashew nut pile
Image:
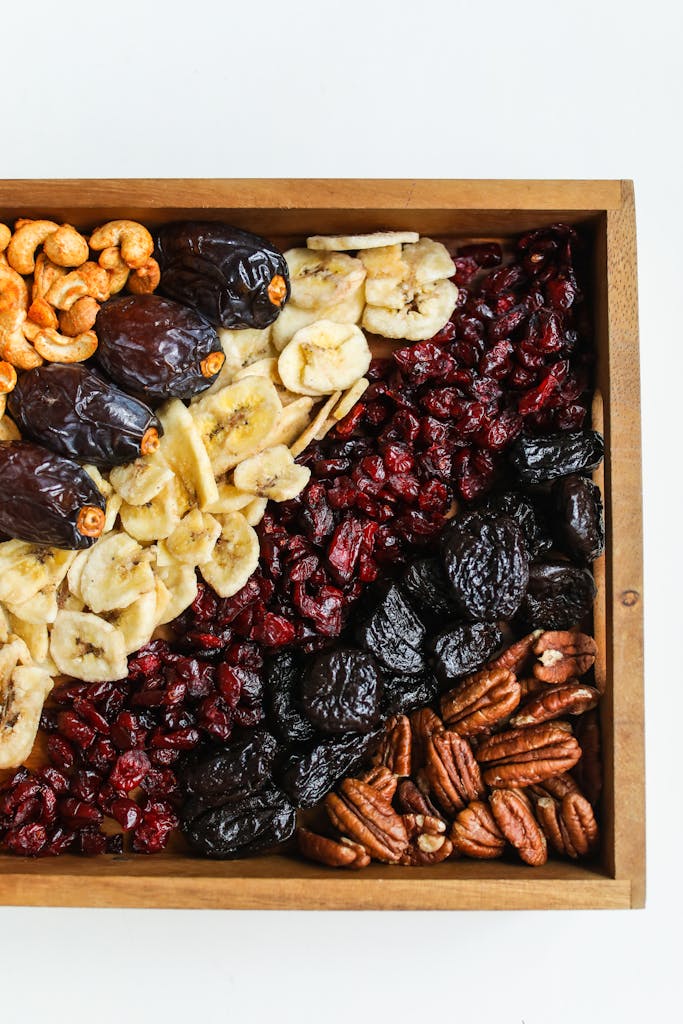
(51, 290)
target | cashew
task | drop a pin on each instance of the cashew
(45, 275)
(41, 312)
(135, 241)
(5, 235)
(66, 247)
(15, 348)
(145, 279)
(8, 378)
(25, 241)
(80, 318)
(117, 268)
(8, 429)
(87, 280)
(13, 303)
(57, 348)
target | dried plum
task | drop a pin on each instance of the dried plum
(229, 774)
(559, 596)
(240, 829)
(76, 413)
(554, 455)
(393, 633)
(156, 348)
(487, 563)
(403, 694)
(528, 515)
(306, 777)
(463, 649)
(341, 693)
(47, 499)
(428, 590)
(579, 524)
(232, 277)
(284, 673)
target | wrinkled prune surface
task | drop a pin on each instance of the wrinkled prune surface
(234, 278)
(342, 691)
(306, 777)
(403, 694)
(488, 566)
(77, 413)
(230, 774)
(47, 499)
(528, 515)
(579, 524)
(554, 455)
(243, 828)
(559, 595)
(156, 348)
(463, 649)
(393, 633)
(284, 673)
(426, 585)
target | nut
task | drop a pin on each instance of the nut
(28, 235)
(523, 757)
(570, 698)
(117, 269)
(423, 825)
(8, 378)
(41, 313)
(569, 824)
(80, 318)
(145, 279)
(90, 279)
(475, 833)
(427, 849)
(557, 787)
(563, 655)
(44, 276)
(423, 724)
(361, 813)
(589, 769)
(344, 854)
(411, 800)
(516, 821)
(513, 657)
(480, 701)
(450, 772)
(58, 348)
(396, 746)
(134, 240)
(529, 686)
(66, 247)
(5, 235)
(381, 779)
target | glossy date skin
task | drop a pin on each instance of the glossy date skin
(78, 414)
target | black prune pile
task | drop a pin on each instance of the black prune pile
(403, 694)
(393, 633)
(487, 564)
(242, 829)
(426, 585)
(284, 673)
(232, 772)
(579, 524)
(559, 596)
(341, 692)
(307, 776)
(537, 459)
(527, 513)
(463, 649)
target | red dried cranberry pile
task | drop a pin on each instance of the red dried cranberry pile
(431, 428)
(112, 747)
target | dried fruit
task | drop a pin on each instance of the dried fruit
(341, 692)
(487, 565)
(459, 650)
(306, 777)
(393, 633)
(547, 457)
(578, 522)
(243, 828)
(229, 775)
(558, 596)
(283, 679)
(426, 586)
(403, 694)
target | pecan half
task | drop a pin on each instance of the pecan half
(516, 821)
(530, 685)
(563, 655)
(480, 701)
(558, 786)
(588, 771)
(451, 772)
(395, 749)
(427, 849)
(513, 657)
(570, 698)
(381, 779)
(334, 854)
(365, 816)
(423, 724)
(423, 824)
(569, 824)
(523, 757)
(475, 833)
(411, 800)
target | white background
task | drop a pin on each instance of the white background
(427, 89)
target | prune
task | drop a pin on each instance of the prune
(550, 456)
(559, 595)
(463, 649)
(306, 777)
(579, 524)
(47, 499)
(226, 774)
(403, 694)
(157, 348)
(76, 413)
(283, 680)
(427, 587)
(341, 693)
(393, 633)
(488, 566)
(234, 278)
(240, 829)
(528, 516)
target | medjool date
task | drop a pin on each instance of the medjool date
(72, 411)
(579, 524)
(527, 514)
(403, 694)
(156, 348)
(559, 596)
(243, 828)
(488, 566)
(306, 777)
(463, 649)
(393, 633)
(341, 693)
(550, 456)
(283, 679)
(428, 590)
(47, 499)
(234, 278)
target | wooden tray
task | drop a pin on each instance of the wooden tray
(286, 211)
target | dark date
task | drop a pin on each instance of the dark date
(307, 777)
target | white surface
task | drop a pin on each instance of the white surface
(440, 89)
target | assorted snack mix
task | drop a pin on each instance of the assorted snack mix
(259, 587)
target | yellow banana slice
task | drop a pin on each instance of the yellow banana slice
(181, 583)
(230, 498)
(262, 368)
(429, 311)
(352, 243)
(23, 690)
(273, 474)
(320, 279)
(140, 481)
(255, 511)
(35, 636)
(241, 348)
(292, 319)
(111, 511)
(323, 358)
(4, 626)
(236, 422)
(194, 538)
(235, 556)
(309, 434)
(292, 421)
(27, 568)
(39, 609)
(87, 647)
(183, 450)
(73, 576)
(349, 398)
(428, 261)
(102, 485)
(137, 622)
(157, 518)
(116, 574)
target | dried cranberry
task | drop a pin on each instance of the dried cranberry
(344, 549)
(91, 842)
(77, 814)
(126, 812)
(76, 730)
(127, 732)
(26, 840)
(59, 841)
(129, 770)
(85, 784)
(60, 753)
(101, 754)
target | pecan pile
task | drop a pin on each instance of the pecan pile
(500, 767)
